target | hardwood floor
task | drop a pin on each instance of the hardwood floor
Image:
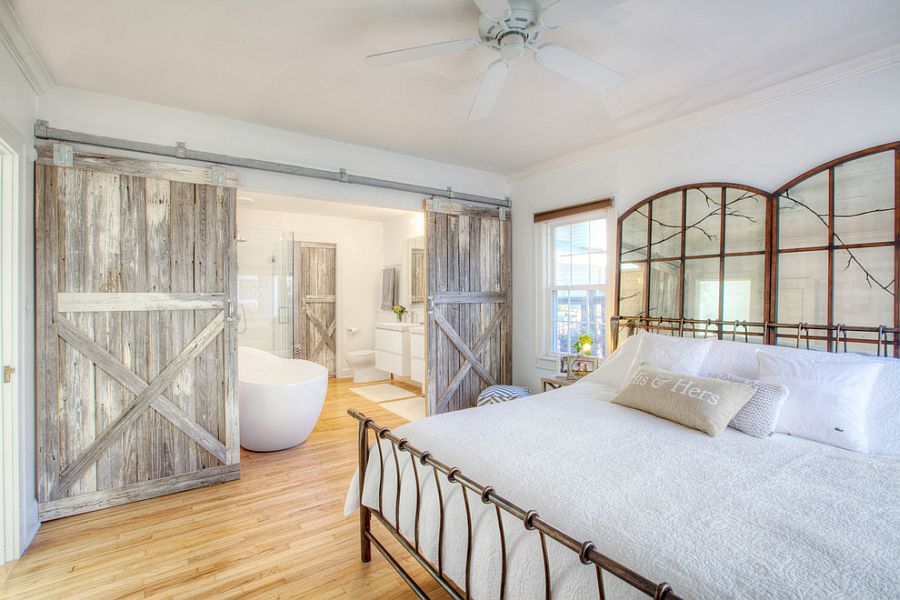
(278, 532)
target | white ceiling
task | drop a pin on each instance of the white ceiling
(299, 65)
(309, 206)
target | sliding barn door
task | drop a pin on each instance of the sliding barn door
(469, 323)
(314, 277)
(136, 349)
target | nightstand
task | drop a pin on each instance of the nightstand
(554, 383)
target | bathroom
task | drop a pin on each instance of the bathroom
(322, 281)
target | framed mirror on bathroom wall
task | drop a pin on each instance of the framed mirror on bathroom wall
(413, 272)
(417, 276)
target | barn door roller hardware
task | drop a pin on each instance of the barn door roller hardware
(42, 130)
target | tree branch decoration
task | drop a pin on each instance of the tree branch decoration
(716, 211)
(823, 219)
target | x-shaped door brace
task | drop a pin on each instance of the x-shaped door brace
(147, 395)
(325, 333)
(470, 355)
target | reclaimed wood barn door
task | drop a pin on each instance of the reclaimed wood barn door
(468, 253)
(315, 283)
(136, 345)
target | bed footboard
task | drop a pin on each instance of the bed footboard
(587, 552)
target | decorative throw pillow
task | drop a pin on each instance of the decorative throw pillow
(703, 403)
(759, 416)
(827, 401)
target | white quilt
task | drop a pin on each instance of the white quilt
(727, 517)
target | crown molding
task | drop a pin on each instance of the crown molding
(797, 86)
(23, 53)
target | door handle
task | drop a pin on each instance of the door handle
(8, 373)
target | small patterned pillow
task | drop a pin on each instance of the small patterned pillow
(759, 416)
(496, 394)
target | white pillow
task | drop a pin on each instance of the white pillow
(615, 367)
(680, 355)
(827, 400)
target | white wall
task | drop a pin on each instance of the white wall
(68, 108)
(18, 109)
(359, 260)
(764, 147)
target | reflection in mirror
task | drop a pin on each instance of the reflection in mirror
(864, 200)
(803, 214)
(863, 291)
(745, 221)
(631, 289)
(417, 276)
(744, 289)
(665, 231)
(634, 236)
(413, 287)
(701, 288)
(802, 291)
(703, 221)
(665, 289)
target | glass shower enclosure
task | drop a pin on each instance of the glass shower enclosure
(265, 260)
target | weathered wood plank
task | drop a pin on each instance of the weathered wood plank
(47, 257)
(137, 302)
(142, 402)
(133, 382)
(157, 441)
(230, 407)
(119, 165)
(76, 373)
(485, 337)
(105, 236)
(470, 298)
(139, 491)
(181, 280)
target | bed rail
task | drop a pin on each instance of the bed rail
(587, 552)
(835, 338)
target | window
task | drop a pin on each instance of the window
(576, 275)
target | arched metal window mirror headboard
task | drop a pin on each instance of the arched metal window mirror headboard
(816, 264)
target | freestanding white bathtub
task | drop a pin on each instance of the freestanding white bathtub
(280, 399)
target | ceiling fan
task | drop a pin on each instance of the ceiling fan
(509, 27)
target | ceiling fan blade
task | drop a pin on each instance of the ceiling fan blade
(396, 57)
(489, 91)
(493, 8)
(577, 68)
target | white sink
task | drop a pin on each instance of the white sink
(394, 326)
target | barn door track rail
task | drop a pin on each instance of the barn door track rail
(42, 130)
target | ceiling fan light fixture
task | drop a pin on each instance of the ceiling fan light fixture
(512, 46)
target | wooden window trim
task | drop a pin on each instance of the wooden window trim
(576, 209)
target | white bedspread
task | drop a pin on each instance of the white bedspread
(726, 517)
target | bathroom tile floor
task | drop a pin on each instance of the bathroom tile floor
(278, 532)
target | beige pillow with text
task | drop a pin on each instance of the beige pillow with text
(703, 403)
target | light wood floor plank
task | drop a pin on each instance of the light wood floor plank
(278, 532)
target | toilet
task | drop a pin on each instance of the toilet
(362, 364)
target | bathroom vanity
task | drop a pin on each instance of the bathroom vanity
(392, 351)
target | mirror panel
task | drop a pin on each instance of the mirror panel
(703, 221)
(665, 231)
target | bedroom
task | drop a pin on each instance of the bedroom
(579, 212)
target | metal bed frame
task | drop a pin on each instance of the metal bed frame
(587, 552)
(835, 338)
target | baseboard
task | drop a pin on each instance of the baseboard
(32, 524)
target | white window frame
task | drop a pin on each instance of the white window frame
(547, 359)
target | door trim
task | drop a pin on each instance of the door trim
(11, 501)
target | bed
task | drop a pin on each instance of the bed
(654, 507)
